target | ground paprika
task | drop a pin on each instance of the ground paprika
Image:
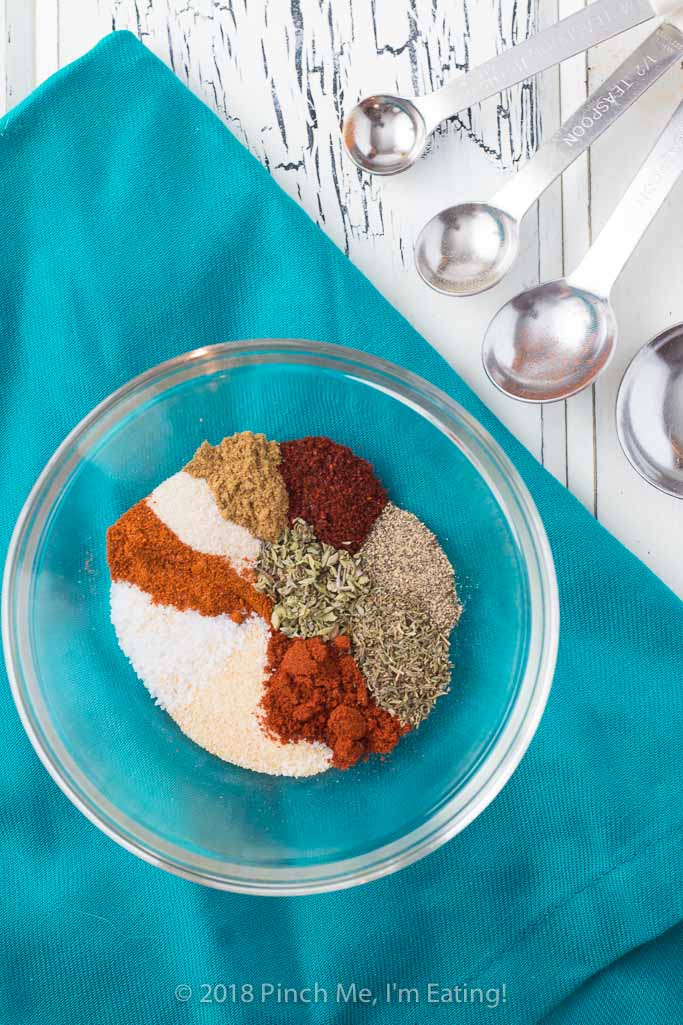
(317, 692)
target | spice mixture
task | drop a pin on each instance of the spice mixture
(143, 551)
(403, 653)
(402, 556)
(284, 613)
(317, 692)
(187, 506)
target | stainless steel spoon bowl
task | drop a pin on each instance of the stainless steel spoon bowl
(552, 341)
(386, 134)
(470, 247)
(650, 412)
(549, 342)
(467, 248)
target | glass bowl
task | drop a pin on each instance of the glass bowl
(126, 765)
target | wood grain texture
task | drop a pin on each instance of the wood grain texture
(283, 72)
(17, 62)
(3, 58)
(648, 298)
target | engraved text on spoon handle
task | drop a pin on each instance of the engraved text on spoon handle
(608, 255)
(600, 20)
(639, 71)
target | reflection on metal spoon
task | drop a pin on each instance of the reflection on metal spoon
(650, 412)
(470, 247)
(553, 340)
(386, 134)
(549, 342)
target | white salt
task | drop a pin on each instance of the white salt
(208, 673)
(169, 649)
(187, 506)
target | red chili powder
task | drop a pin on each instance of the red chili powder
(143, 551)
(333, 489)
(317, 692)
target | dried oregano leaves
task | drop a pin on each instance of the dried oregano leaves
(316, 589)
(403, 653)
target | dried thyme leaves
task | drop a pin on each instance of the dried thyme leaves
(403, 654)
(316, 589)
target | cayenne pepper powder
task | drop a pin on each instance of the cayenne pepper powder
(141, 550)
(332, 489)
(317, 692)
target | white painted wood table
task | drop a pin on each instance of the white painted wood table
(281, 74)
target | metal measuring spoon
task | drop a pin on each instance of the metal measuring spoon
(470, 247)
(650, 412)
(553, 340)
(386, 134)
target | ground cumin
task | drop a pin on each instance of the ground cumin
(244, 476)
(317, 692)
(141, 550)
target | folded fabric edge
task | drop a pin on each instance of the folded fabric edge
(121, 39)
(619, 909)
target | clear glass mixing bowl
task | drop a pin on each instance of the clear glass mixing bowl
(126, 765)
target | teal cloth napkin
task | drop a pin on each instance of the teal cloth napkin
(132, 227)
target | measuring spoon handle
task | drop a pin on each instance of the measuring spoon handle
(607, 257)
(639, 71)
(600, 20)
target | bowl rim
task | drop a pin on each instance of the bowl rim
(512, 497)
